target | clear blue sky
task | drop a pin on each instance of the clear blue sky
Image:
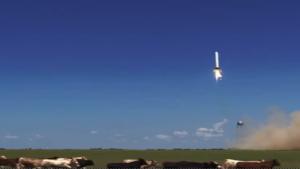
(138, 74)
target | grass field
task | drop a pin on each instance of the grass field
(288, 159)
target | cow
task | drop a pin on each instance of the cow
(83, 162)
(264, 164)
(10, 162)
(131, 165)
(191, 165)
(60, 163)
(232, 164)
(45, 163)
(150, 163)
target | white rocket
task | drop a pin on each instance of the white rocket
(217, 70)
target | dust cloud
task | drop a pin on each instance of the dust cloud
(279, 132)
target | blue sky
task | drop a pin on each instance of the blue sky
(138, 74)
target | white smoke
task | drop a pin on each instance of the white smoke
(216, 131)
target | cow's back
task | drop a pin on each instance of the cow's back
(131, 165)
(255, 165)
(189, 165)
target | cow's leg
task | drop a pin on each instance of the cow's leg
(17, 166)
(67, 166)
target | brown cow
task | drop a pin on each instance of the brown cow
(190, 165)
(10, 162)
(231, 163)
(268, 164)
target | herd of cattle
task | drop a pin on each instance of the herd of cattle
(227, 164)
(82, 162)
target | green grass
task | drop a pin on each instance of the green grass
(288, 159)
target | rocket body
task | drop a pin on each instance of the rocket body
(217, 59)
(217, 70)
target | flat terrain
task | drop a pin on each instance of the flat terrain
(101, 157)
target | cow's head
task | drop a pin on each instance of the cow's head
(213, 164)
(151, 162)
(84, 163)
(3, 157)
(142, 161)
(74, 163)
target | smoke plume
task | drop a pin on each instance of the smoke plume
(279, 132)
